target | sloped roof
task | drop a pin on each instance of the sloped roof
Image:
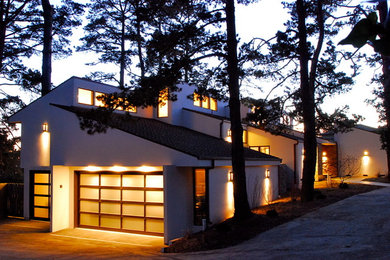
(367, 128)
(182, 139)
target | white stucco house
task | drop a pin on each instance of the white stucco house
(162, 171)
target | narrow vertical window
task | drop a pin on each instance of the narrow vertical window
(244, 136)
(213, 104)
(163, 103)
(99, 103)
(205, 102)
(196, 100)
(200, 196)
(85, 96)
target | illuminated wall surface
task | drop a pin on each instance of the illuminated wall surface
(44, 149)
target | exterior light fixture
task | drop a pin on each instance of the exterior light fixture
(323, 153)
(230, 176)
(45, 127)
(267, 172)
(365, 153)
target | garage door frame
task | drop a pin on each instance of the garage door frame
(122, 202)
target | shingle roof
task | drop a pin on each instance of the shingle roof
(185, 140)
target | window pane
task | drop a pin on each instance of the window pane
(206, 102)
(89, 206)
(154, 181)
(110, 208)
(85, 96)
(133, 195)
(244, 136)
(255, 148)
(133, 224)
(111, 180)
(110, 221)
(265, 149)
(109, 194)
(200, 207)
(41, 213)
(153, 211)
(89, 179)
(41, 201)
(133, 210)
(41, 178)
(89, 219)
(155, 196)
(133, 181)
(196, 100)
(89, 193)
(41, 189)
(163, 103)
(99, 103)
(154, 225)
(213, 104)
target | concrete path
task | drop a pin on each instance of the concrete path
(354, 228)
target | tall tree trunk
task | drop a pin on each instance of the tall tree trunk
(47, 46)
(139, 46)
(308, 105)
(241, 204)
(122, 58)
(383, 12)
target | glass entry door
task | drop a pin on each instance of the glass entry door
(40, 191)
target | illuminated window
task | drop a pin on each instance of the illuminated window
(205, 102)
(196, 100)
(85, 96)
(262, 149)
(200, 196)
(265, 149)
(213, 104)
(99, 103)
(245, 136)
(163, 104)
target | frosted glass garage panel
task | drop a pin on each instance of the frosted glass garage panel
(133, 210)
(41, 212)
(110, 222)
(89, 193)
(111, 180)
(110, 208)
(41, 178)
(41, 201)
(89, 179)
(155, 196)
(154, 181)
(136, 224)
(110, 194)
(155, 225)
(89, 206)
(41, 189)
(154, 211)
(135, 181)
(89, 219)
(133, 195)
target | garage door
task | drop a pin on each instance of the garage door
(127, 202)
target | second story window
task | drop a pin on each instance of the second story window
(85, 96)
(205, 102)
(163, 103)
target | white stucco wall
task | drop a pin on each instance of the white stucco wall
(178, 202)
(358, 141)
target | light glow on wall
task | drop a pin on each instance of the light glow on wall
(44, 149)
(92, 168)
(117, 168)
(145, 168)
(229, 199)
(267, 192)
(366, 158)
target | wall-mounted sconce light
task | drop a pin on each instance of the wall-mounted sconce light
(230, 176)
(365, 153)
(267, 172)
(323, 153)
(45, 127)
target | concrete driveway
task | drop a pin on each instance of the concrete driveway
(355, 228)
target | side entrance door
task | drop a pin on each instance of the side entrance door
(40, 195)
